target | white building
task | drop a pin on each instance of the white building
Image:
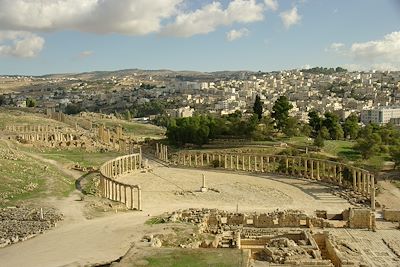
(380, 115)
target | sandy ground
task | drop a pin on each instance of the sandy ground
(389, 195)
(78, 242)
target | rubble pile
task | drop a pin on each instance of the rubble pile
(21, 223)
(352, 197)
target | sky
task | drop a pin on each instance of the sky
(69, 36)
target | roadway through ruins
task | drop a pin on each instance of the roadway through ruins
(82, 242)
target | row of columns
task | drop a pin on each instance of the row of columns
(30, 128)
(332, 172)
(162, 152)
(48, 137)
(122, 165)
(130, 195)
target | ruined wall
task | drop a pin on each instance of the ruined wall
(391, 215)
(360, 218)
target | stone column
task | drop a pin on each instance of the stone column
(157, 151)
(340, 175)
(190, 159)
(354, 180)
(318, 173)
(219, 160)
(243, 165)
(312, 169)
(139, 198)
(231, 162)
(202, 159)
(225, 161)
(293, 166)
(359, 181)
(119, 193)
(262, 163)
(287, 165)
(208, 159)
(306, 168)
(249, 163)
(237, 162)
(255, 164)
(368, 184)
(132, 196)
(372, 192)
(364, 183)
(268, 169)
(125, 198)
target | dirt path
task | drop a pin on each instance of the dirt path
(79, 242)
(390, 195)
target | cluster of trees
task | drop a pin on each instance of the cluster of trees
(370, 140)
(321, 70)
(199, 129)
(373, 139)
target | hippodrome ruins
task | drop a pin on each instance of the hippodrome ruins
(273, 210)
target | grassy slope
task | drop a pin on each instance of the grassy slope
(83, 158)
(25, 178)
(135, 128)
(197, 258)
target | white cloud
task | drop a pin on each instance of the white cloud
(271, 4)
(290, 17)
(388, 48)
(237, 34)
(20, 44)
(86, 53)
(99, 16)
(381, 54)
(211, 16)
(335, 47)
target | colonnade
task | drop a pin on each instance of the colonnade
(130, 195)
(48, 137)
(25, 128)
(162, 152)
(347, 176)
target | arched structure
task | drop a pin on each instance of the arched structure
(130, 195)
(343, 175)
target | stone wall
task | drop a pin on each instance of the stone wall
(391, 215)
(343, 175)
(359, 218)
(130, 195)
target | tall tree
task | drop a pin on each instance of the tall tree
(315, 121)
(258, 107)
(280, 112)
(351, 127)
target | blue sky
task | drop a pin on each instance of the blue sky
(58, 36)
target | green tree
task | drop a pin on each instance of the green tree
(2, 100)
(395, 155)
(30, 102)
(331, 122)
(280, 112)
(128, 115)
(292, 127)
(324, 133)
(258, 107)
(351, 127)
(319, 141)
(72, 109)
(315, 121)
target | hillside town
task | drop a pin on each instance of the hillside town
(375, 95)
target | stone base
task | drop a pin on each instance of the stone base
(203, 189)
